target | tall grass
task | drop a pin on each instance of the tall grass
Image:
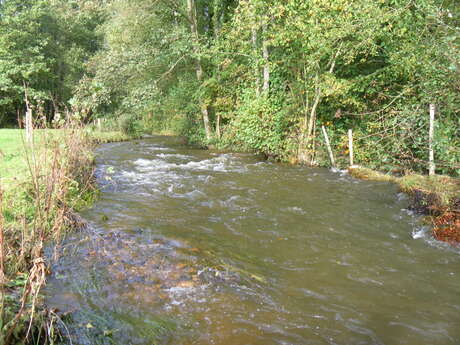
(39, 207)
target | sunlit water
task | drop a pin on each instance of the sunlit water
(187, 246)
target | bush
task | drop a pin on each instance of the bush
(131, 125)
(259, 124)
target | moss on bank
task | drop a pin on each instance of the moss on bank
(437, 196)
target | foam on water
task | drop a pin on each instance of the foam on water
(421, 232)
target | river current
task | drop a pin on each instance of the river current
(187, 246)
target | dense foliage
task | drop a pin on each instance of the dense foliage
(251, 74)
(43, 49)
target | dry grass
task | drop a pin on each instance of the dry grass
(369, 174)
(444, 187)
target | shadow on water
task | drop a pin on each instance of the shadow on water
(203, 247)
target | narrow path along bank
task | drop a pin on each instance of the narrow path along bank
(200, 247)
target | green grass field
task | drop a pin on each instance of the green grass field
(12, 153)
(13, 163)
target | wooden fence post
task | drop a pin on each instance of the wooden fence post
(328, 145)
(350, 145)
(29, 125)
(431, 165)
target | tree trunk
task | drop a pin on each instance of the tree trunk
(308, 130)
(313, 113)
(350, 146)
(313, 146)
(218, 133)
(199, 69)
(303, 128)
(306, 151)
(216, 19)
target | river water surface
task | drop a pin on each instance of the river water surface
(187, 246)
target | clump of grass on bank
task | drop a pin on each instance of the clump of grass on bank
(438, 196)
(42, 186)
(369, 174)
(441, 190)
(100, 137)
(444, 189)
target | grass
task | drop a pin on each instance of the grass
(41, 188)
(443, 190)
(101, 137)
(447, 189)
(12, 162)
(369, 174)
(437, 195)
(13, 165)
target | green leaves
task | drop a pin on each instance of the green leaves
(369, 65)
(44, 45)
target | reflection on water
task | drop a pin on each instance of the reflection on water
(201, 247)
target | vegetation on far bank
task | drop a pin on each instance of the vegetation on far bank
(247, 74)
(42, 186)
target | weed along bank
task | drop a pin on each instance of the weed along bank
(44, 183)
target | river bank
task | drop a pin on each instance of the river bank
(42, 187)
(437, 197)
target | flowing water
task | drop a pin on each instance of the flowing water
(187, 246)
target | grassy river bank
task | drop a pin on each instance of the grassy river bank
(436, 196)
(42, 187)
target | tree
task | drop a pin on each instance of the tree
(43, 47)
(191, 10)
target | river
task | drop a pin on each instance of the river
(187, 246)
